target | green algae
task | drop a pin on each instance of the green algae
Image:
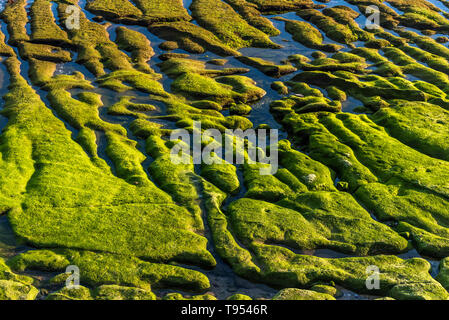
(301, 104)
(44, 260)
(223, 21)
(125, 107)
(333, 65)
(5, 50)
(80, 195)
(80, 293)
(427, 214)
(336, 94)
(334, 30)
(139, 12)
(176, 66)
(300, 294)
(122, 270)
(134, 79)
(226, 245)
(249, 11)
(178, 296)
(43, 26)
(239, 296)
(95, 50)
(15, 287)
(346, 16)
(114, 292)
(321, 288)
(372, 87)
(224, 176)
(280, 87)
(305, 228)
(12, 290)
(104, 292)
(169, 45)
(192, 38)
(120, 11)
(223, 90)
(270, 6)
(51, 53)
(419, 125)
(307, 35)
(388, 17)
(442, 276)
(399, 278)
(240, 109)
(15, 16)
(139, 46)
(162, 10)
(267, 67)
(265, 187)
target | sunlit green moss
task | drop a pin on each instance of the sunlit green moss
(299, 294)
(43, 26)
(223, 21)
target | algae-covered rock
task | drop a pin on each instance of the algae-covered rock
(224, 176)
(443, 275)
(192, 38)
(280, 87)
(44, 260)
(419, 291)
(325, 289)
(15, 287)
(308, 35)
(239, 296)
(114, 292)
(122, 270)
(12, 290)
(228, 25)
(298, 225)
(240, 109)
(80, 293)
(300, 294)
(178, 296)
(411, 276)
(267, 67)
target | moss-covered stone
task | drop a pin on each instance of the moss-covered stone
(223, 21)
(121, 11)
(15, 16)
(325, 289)
(280, 87)
(300, 294)
(43, 26)
(15, 287)
(80, 293)
(114, 292)
(249, 11)
(334, 30)
(267, 67)
(296, 224)
(270, 6)
(308, 35)
(239, 296)
(178, 296)
(44, 260)
(139, 46)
